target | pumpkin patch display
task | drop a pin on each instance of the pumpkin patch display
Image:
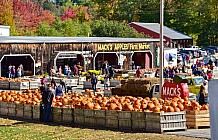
(100, 102)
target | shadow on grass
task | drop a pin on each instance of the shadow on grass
(72, 125)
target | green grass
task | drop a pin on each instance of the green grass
(21, 130)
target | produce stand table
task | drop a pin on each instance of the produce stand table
(19, 85)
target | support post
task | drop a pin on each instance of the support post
(161, 44)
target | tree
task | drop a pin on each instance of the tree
(105, 28)
(29, 14)
(6, 13)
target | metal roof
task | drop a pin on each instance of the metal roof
(167, 32)
(41, 39)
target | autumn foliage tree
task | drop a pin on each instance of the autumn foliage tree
(28, 15)
(76, 13)
(6, 13)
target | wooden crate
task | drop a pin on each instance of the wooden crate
(78, 119)
(138, 121)
(56, 117)
(4, 85)
(19, 106)
(67, 118)
(27, 107)
(28, 114)
(107, 93)
(138, 115)
(19, 85)
(125, 124)
(11, 105)
(4, 111)
(100, 121)
(138, 125)
(99, 113)
(57, 110)
(67, 111)
(114, 83)
(88, 113)
(78, 112)
(124, 115)
(4, 104)
(111, 113)
(19, 113)
(36, 115)
(112, 122)
(196, 119)
(87, 85)
(11, 112)
(33, 84)
(90, 121)
(169, 121)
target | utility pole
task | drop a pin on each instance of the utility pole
(161, 44)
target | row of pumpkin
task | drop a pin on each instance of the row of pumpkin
(100, 102)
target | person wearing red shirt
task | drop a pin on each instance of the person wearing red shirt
(138, 72)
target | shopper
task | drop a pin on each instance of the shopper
(9, 71)
(53, 83)
(59, 91)
(94, 82)
(63, 85)
(111, 72)
(19, 73)
(201, 95)
(43, 80)
(138, 73)
(47, 98)
(13, 72)
(106, 81)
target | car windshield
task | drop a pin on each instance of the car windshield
(199, 81)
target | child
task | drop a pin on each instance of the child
(106, 80)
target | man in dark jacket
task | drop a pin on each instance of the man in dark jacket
(47, 98)
(94, 82)
(59, 91)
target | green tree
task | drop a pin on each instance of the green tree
(105, 28)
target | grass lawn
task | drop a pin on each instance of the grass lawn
(22, 130)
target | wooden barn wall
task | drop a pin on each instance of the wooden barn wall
(46, 53)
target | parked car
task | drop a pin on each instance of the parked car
(208, 50)
(213, 47)
(202, 52)
(191, 48)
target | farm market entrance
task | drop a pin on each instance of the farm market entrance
(16, 59)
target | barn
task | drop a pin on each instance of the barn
(174, 39)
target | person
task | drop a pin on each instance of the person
(75, 70)
(210, 75)
(106, 81)
(9, 71)
(13, 71)
(59, 91)
(53, 83)
(68, 72)
(201, 95)
(43, 80)
(133, 65)
(19, 72)
(138, 72)
(47, 98)
(111, 72)
(94, 82)
(60, 70)
(63, 85)
(22, 70)
(52, 71)
(65, 70)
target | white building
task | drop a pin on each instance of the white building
(4, 30)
